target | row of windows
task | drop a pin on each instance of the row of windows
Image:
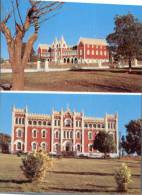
(96, 46)
(20, 133)
(34, 145)
(111, 125)
(39, 123)
(20, 121)
(99, 125)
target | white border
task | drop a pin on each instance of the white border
(71, 92)
(115, 2)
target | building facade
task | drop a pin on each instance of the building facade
(63, 131)
(86, 51)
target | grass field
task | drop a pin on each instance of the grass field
(69, 175)
(89, 81)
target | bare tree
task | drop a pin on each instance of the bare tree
(37, 13)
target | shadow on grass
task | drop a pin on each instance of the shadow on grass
(82, 173)
(100, 189)
(14, 181)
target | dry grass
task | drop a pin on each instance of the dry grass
(69, 175)
(95, 81)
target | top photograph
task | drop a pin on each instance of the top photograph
(70, 47)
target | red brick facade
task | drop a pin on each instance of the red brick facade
(86, 51)
(60, 131)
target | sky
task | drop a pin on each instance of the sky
(73, 21)
(128, 107)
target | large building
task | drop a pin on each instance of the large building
(86, 51)
(63, 131)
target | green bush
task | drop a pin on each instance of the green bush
(35, 165)
(123, 177)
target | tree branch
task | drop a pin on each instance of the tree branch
(28, 48)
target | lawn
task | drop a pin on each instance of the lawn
(88, 81)
(69, 175)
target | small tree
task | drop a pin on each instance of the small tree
(126, 40)
(36, 165)
(104, 143)
(123, 178)
(132, 141)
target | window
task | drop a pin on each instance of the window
(56, 134)
(99, 125)
(16, 121)
(68, 122)
(39, 122)
(78, 135)
(86, 125)
(67, 134)
(81, 52)
(23, 121)
(34, 122)
(71, 134)
(34, 146)
(30, 122)
(89, 135)
(20, 121)
(43, 146)
(43, 133)
(44, 123)
(93, 52)
(94, 125)
(34, 133)
(19, 133)
(97, 52)
(78, 147)
(19, 146)
(90, 125)
(64, 134)
(88, 52)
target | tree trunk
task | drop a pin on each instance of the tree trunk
(130, 65)
(18, 78)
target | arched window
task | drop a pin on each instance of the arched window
(23, 121)
(44, 123)
(68, 122)
(34, 123)
(30, 122)
(89, 135)
(43, 146)
(78, 135)
(19, 146)
(20, 121)
(34, 146)
(71, 134)
(39, 122)
(43, 133)
(19, 133)
(16, 121)
(56, 134)
(78, 147)
(34, 133)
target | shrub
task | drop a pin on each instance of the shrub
(123, 177)
(35, 165)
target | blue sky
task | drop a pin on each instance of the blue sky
(127, 106)
(76, 20)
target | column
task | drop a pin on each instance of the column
(106, 123)
(12, 130)
(61, 130)
(117, 136)
(74, 132)
(46, 66)
(135, 62)
(38, 65)
(52, 132)
(82, 132)
(26, 130)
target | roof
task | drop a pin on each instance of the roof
(43, 46)
(93, 41)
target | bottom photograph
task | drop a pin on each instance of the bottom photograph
(70, 143)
